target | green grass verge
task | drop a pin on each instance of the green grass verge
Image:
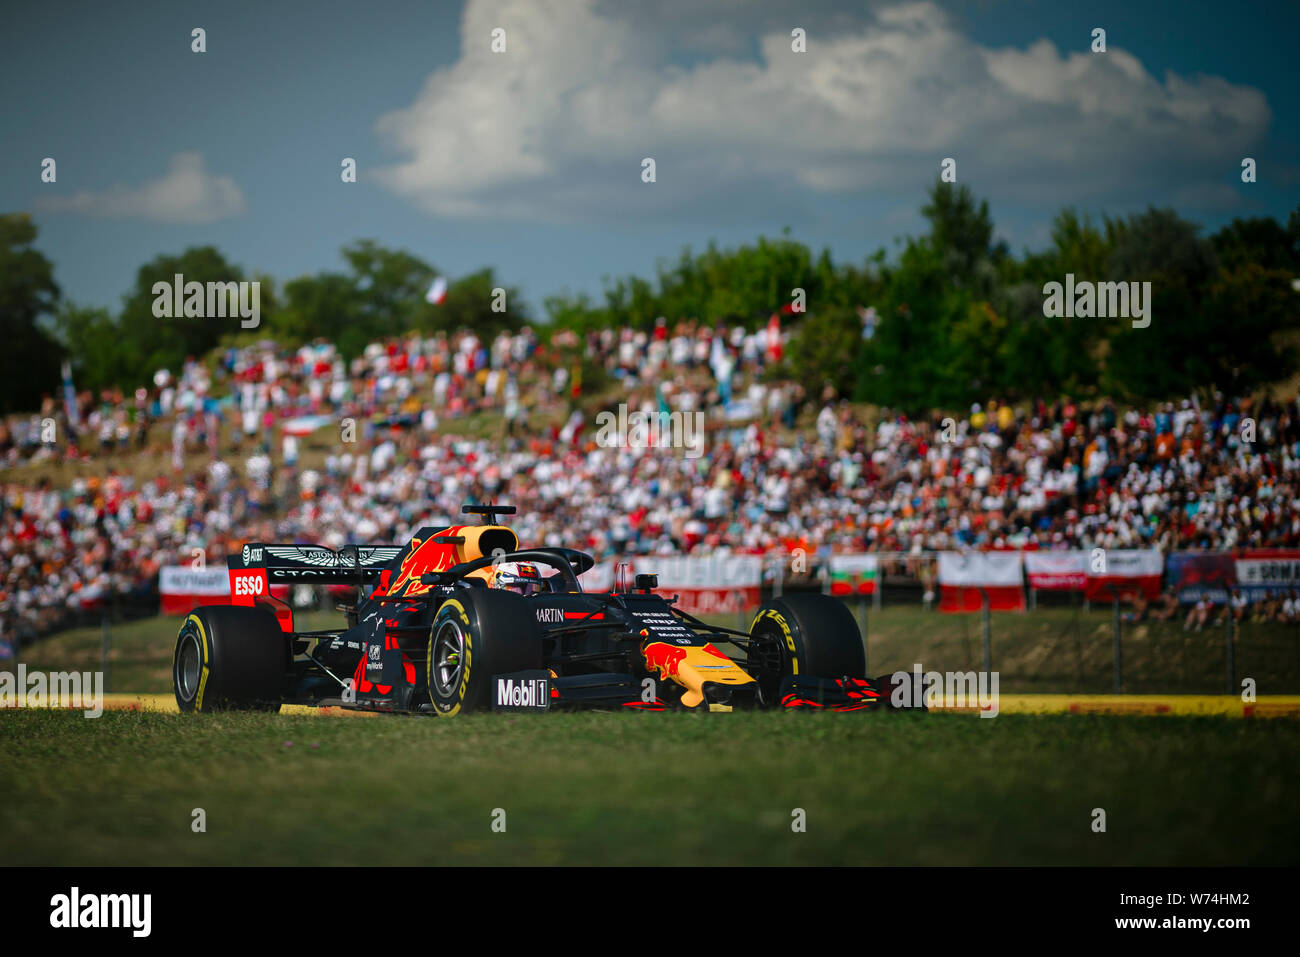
(1069, 650)
(673, 788)
(1049, 650)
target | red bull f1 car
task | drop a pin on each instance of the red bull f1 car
(461, 619)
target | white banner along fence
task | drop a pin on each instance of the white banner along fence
(733, 583)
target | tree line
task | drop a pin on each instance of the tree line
(957, 318)
(954, 317)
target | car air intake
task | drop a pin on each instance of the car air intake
(483, 541)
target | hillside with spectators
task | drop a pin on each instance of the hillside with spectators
(905, 406)
(277, 444)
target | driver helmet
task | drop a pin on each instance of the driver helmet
(522, 578)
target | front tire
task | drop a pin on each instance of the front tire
(476, 635)
(230, 657)
(803, 634)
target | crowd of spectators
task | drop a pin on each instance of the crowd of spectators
(278, 444)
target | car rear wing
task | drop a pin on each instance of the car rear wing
(258, 565)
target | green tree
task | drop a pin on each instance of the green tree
(150, 342)
(741, 286)
(389, 287)
(29, 365)
(1254, 313)
(1168, 357)
(568, 311)
(911, 362)
(1080, 246)
(472, 303)
(92, 340)
(961, 231)
(326, 306)
(1050, 356)
(1261, 241)
(825, 347)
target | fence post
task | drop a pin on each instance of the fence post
(105, 643)
(1232, 648)
(779, 578)
(1119, 665)
(987, 627)
(862, 626)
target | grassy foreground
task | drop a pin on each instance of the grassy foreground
(646, 789)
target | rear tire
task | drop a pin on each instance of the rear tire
(475, 635)
(230, 658)
(808, 634)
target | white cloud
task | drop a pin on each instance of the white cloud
(556, 127)
(187, 193)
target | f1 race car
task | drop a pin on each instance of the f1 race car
(461, 619)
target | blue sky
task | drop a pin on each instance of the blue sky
(530, 160)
